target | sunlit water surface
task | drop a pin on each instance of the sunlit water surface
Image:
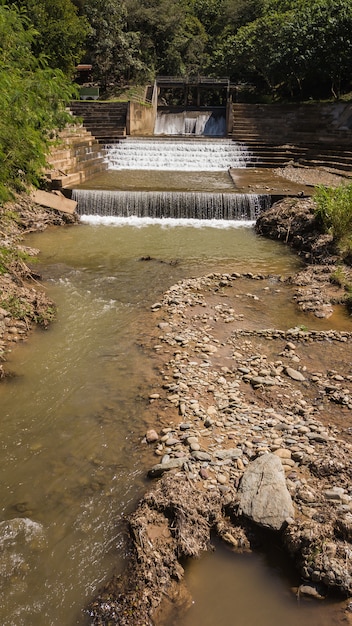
(72, 415)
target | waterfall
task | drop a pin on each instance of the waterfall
(176, 154)
(165, 204)
(190, 123)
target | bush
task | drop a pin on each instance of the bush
(32, 104)
(334, 212)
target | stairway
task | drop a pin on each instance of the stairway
(78, 157)
(105, 120)
(312, 135)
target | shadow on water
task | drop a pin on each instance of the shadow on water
(256, 589)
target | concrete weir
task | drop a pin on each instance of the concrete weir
(269, 136)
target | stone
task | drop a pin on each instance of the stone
(311, 590)
(263, 494)
(336, 493)
(171, 441)
(204, 473)
(152, 436)
(161, 468)
(230, 453)
(266, 381)
(294, 374)
(199, 455)
(283, 453)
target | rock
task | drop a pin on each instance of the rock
(230, 453)
(161, 468)
(263, 494)
(311, 590)
(204, 473)
(171, 441)
(152, 436)
(266, 381)
(283, 453)
(294, 374)
(336, 493)
(199, 455)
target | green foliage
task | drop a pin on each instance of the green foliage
(10, 257)
(286, 48)
(111, 47)
(338, 277)
(171, 35)
(32, 103)
(18, 308)
(334, 211)
(60, 32)
(297, 48)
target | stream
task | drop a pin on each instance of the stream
(74, 413)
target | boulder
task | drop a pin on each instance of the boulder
(263, 494)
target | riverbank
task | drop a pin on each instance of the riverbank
(242, 410)
(23, 301)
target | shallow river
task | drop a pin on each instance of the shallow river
(73, 419)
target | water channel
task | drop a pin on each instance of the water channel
(73, 417)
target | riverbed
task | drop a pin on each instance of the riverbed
(76, 408)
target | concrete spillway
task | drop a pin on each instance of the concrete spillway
(177, 155)
(163, 204)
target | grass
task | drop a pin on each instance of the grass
(334, 212)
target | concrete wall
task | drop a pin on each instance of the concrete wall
(140, 119)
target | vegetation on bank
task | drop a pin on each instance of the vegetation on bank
(334, 213)
(33, 96)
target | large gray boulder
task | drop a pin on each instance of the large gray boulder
(263, 495)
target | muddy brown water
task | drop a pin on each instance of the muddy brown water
(73, 416)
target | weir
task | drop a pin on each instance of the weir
(164, 204)
(191, 123)
(173, 155)
(177, 154)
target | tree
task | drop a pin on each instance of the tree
(32, 103)
(304, 50)
(172, 38)
(61, 32)
(113, 50)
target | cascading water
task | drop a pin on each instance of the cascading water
(173, 155)
(163, 204)
(190, 123)
(177, 155)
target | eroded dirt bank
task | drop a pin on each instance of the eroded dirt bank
(229, 394)
(23, 301)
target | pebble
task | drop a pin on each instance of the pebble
(230, 423)
(294, 374)
(152, 436)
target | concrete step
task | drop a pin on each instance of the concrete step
(74, 178)
(75, 165)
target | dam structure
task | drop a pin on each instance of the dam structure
(196, 109)
(189, 134)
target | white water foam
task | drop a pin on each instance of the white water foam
(167, 222)
(164, 204)
(176, 155)
(190, 123)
